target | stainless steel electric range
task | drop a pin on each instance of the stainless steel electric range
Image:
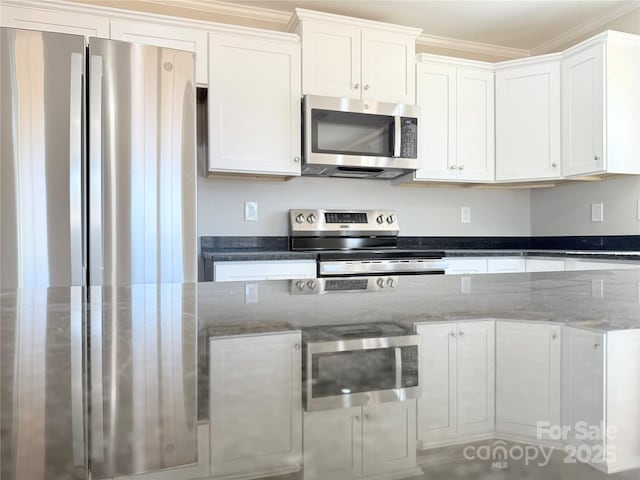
(358, 243)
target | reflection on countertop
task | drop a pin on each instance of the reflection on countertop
(120, 383)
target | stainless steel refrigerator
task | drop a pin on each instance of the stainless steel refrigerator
(98, 208)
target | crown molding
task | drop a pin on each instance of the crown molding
(584, 28)
(230, 9)
(473, 47)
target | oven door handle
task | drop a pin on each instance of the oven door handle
(398, 352)
(397, 136)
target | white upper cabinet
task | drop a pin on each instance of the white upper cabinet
(55, 19)
(352, 58)
(166, 35)
(528, 119)
(254, 104)
(456, 127)
(601, 106)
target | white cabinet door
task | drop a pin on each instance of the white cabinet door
(583, 112)
(544, 265)
(465, 266)
(582, 380)
(437, 403)
(333, 444)
(255, 405)
(331, 60)
(254, 106)
(54, 21)
(436, 96)
(528, 122)
(388, 437)
(168, 36)
(527, 377)
(505, 265)
(475, 125)
(388, 67)
(263, 270)
(475, 363)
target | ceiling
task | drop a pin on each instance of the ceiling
(517, 24)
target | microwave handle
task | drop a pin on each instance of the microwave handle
(397, 137)
(398, 352)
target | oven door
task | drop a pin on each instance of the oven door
(347, 373)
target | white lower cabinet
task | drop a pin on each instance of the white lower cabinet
(544, 265)
(263, 270)
(601, 397)
(527, 378)
(465, 265)
(374, 441)
(457, 373)
(255, 405)
(505, 265)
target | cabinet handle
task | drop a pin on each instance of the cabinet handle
(357, 86)
(596, 345)
(453, 334)
(554, 164)
(366, 86)
(297, 346)
(461, 167)
(296, 159)
(596, 157)
(356, 418)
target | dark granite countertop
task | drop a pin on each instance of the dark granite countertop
(146, 351)
(257, 255)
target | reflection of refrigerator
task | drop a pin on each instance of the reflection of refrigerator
(98, 195)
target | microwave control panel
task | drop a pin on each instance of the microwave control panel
(409, 139)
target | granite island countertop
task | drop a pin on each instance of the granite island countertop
(129, 368)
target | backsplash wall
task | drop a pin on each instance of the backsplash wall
(422, 211)
(566, 209)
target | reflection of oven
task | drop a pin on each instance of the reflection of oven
(359, 242)
(350, 365)
(387, 283)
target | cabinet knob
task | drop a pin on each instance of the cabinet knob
(596, 345)
(356, 418)
(297, 346)
(366, 86)
(357, 86)
(453, 167)
(554, 336)
(453, 334)
(296, 159)
(461, 167)
(554, 164)
(596, 157)
(367, 417)
(461, 334)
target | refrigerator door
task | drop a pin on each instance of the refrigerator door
(41, 152)
(142, 164)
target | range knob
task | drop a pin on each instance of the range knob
(391, 283)
(300, 285)
(300, 218)
(391, 219)
(311, 285)
(311, 218)
(380, 282)
(380, 219)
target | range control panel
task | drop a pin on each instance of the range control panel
(318, 222)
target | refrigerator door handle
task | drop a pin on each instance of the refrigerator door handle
(75, 169)
(95, 171)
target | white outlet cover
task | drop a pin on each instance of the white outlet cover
(250, 211)
(465, 214)
(597, 212)
(251, 293)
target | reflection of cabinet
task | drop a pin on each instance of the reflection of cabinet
(527, 377)
(601, 105)
(457, 378)
(457, 119)
(528, 119)
(169, 36)
(351, 58)
(361, 441)
(255, 404)
(254, 118)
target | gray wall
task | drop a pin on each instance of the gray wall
(566, 209)
(422, 211)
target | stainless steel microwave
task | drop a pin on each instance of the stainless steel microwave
(359, 138)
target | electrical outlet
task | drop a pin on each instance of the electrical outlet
(597, 212)
(465, 284)
(465, 214)
(638, 211)
(251, 293)
(250, 211)
(597, 288)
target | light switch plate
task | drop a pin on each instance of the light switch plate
(465, 214)
(597, 212)
(250, 211)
